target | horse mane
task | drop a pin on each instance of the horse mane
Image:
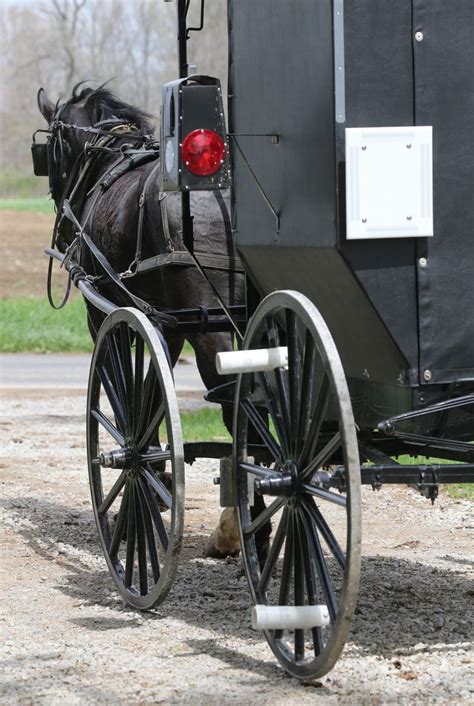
(104, 104)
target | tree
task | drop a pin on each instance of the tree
(57, 43)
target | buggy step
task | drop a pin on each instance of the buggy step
(282, 617)
(251, 361)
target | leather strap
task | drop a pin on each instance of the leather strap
(182, 258)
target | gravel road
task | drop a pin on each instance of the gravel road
(68, 639)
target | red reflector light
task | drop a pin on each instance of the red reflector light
(203, 152)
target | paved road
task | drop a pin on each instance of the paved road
(70, 371)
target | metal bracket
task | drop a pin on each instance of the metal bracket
(226, 485)
(339, 65)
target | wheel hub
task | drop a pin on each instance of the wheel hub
(285, 484)
(126, 458)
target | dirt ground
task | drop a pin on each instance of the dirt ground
(23, 237)
(68, 639)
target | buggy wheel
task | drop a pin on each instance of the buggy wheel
(135, 457)
(303, 416)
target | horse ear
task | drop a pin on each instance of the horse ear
(46, 107)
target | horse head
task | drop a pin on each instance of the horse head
(81, 121)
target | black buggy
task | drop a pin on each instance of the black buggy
(350, 154)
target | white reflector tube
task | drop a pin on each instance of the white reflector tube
(282, 617)
(254, 361)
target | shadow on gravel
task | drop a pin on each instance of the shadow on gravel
(404, 606)
(52, 684)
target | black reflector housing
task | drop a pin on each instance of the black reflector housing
(193, 103)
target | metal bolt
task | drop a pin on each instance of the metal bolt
(427, 375)
(422, 261)
(364, 220)
(364, 147)
(419, 36)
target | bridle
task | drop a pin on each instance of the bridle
(137, 149)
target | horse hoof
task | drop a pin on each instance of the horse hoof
(224, 541)
(213, 552)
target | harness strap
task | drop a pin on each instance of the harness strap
(128, 163)
(165, 221)
(182, 258)
(141, 214)
(110, 272)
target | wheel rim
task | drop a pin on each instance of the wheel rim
(136, 480)
(314, 557)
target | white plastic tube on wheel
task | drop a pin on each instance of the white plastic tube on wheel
(252, 361)
(282, 617)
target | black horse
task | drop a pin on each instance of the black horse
(112, 222)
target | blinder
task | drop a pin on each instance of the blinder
(40, 155)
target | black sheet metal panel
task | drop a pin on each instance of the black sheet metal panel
(379, 93)
(281, 78)
(386, 312)
(444, 97)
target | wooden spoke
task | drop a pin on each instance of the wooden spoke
(264, 516)
(307, 384)
(112, 494)
(141, 545)
(299, 582)
(258, 471)
(138, 386)
(280, 379)
(125, 346)
(263, 431)
(120, 523)
(325, 495)
(274, 553)
(155, 513)
(326, 532)
(294, 375)
(273, 410)
(112, 397)
(323, 456)
(157, 486)
(148, 398)
(131, 537)
(108, 426)
(114, 357)
(311, 586)
(288, 560)
(152, 427)
(316, 551)
(317, 419)
(150, 536)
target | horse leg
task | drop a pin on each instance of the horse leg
(224, 541)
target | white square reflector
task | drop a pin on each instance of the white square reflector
(389, 182)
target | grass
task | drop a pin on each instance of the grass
(204, 425)
(22, 184)
(32, 325)
(40, 204)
